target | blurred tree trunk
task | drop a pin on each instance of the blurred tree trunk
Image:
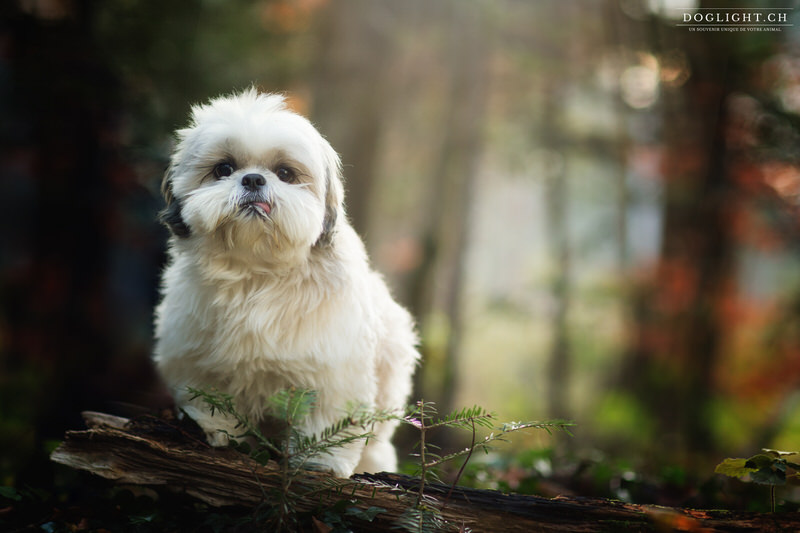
(438, 282)
(558, 367)
(352, 96)
(563, 74)
(349, 92)
(670, 367)
(614, 29)
(61, 152)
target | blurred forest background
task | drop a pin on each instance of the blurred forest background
(590, 209)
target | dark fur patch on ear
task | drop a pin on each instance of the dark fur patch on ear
(171, 216)
(331, 213)
(328, 225)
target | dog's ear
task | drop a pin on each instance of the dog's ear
(334, 196)
(171, 215)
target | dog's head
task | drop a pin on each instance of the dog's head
(251, 172)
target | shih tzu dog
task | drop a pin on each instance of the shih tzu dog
(268, 286)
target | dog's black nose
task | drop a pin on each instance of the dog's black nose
(253, 181)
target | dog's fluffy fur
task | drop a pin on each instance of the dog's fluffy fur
(268, 286)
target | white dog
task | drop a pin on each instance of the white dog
(268, 286)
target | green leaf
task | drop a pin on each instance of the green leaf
(242, 447)
(11, 493)
(757, 462)
(764, 468)
(791, 459)
(143, 519)
(768, 476)
(262, 457)
(365, 514)
(734, 468)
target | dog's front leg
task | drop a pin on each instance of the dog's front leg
(340, 460)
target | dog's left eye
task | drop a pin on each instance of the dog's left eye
(223, 170)
(285, 174)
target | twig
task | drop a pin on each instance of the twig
(461, 470)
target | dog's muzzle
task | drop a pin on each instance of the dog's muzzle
(255, 198)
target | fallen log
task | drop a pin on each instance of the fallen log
(144, 454)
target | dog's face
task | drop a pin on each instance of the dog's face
(253, 175)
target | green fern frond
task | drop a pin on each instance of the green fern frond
(216, 401)
(464, 419)
(292, 405)
(224, 404)
(549, 426)
(309, 447)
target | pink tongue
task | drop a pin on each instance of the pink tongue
(265, 206)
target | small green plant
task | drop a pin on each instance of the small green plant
(425, 515)
(292, 450)
(771, 467)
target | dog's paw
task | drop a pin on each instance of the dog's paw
(218, 439)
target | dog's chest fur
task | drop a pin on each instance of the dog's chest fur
(286, 329)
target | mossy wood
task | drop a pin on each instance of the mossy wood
(117, 449)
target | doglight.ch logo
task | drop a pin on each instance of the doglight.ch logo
(768, 19)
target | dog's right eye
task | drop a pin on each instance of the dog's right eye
(223, 170)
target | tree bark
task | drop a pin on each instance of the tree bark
(115, 449)
(671, 366)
